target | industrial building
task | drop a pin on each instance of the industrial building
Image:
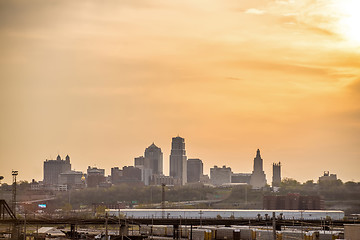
(293, 201)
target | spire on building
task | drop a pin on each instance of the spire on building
(258, 177)
(58, 158)
(258, 153)
(153, 145)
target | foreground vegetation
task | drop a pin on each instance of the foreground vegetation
(336, 195)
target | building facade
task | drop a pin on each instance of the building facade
(162, 179)
(154, 159)
(327, 177)
(95, 176)
(131, 174)
(276, 179)
(139, 161)
(293, 201)
(258, 177)
(53, 168)
(71, 179)
(194, 170)
(220, 176)
(240, 178)
(116, 175)
(178, 164)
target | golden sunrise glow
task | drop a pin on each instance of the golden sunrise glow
(103, 83)
(349, 19)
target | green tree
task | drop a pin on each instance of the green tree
(67, 207)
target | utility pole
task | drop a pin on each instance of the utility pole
(119, 223)
(274, 225)
(25, 225)
(106, 226)
(163, 199)
(245, 195)
(14, 174)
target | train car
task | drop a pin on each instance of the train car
(226, 213)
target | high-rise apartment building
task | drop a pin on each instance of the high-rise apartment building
(194, 170)
(276, 180)
(154, 157)
(258, 177)
(178, 166)
(53, 168)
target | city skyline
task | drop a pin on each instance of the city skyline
(229, 76)
(257, 166)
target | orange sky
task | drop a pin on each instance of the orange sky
(101, 81)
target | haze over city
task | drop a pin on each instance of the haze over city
(101, 81)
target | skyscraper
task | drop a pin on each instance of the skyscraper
(258, 177)
(53, 168)
(276, 180)
(194, 170)
(154, 157)
(178, 166)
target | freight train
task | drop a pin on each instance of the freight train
(235, 233)
(228, 213)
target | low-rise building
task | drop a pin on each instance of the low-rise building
(293, 201)
(159, 179)
(240, 178)
(327, 177)
(220, 176)
(95, 176)
(73, 179)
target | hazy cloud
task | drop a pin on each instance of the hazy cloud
(254, 11)
(99, 80)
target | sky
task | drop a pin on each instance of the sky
(102, 80)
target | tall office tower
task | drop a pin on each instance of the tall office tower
(53, 168)
(154, 157)
(178, 167)
(194, 170)
(258, 177)
(276, 180)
